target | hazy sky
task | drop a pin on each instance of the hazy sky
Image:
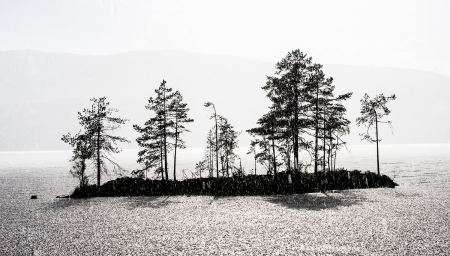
(406, 33)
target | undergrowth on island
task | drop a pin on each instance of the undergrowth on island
(249, 185)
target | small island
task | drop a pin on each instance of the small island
(305, 115)
(250, 185)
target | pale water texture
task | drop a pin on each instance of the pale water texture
(412, 219)
(46, 173)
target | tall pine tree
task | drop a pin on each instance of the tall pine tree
(178, 113)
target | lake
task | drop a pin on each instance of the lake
(46, 173)
(412, 219)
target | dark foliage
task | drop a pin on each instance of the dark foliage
(283, 183)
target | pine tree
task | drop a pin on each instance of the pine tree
(290, 92)
(269, 129)
(178, 112)
(200, 166)
(150, 156)
(372, 111)
(160, 105)
(316, 91)
(301, 96)
(337, 126)
(99, 125)
(81, 153)
(331, 115)
(209, 154)
(167, 124)
(227, 143)
(264, 157)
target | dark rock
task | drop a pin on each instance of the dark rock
(33, 197)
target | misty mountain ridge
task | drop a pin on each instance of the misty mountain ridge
(41, 94)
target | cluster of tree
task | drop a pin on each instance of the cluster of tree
(305, 115)
(304, 110)
(220, 144)
(161, 133)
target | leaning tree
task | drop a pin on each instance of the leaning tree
(372, 111)
(210, 104)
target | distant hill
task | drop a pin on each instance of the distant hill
(41, 94)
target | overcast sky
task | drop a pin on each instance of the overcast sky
(405, 33)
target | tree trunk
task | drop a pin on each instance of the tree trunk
(316, 149)
(83, 169)
(98, 159)
(98, 145)
(217, 145)
(228, 174)
(330, 152)
(274, 158)
(211, 161)
(255, 163)
(335, 152)
(324, 144)
(165, 136)
(295, 140)
(221, 165)
(175, 153)
(378, 156)
(161, 157)
(240, 166)
(288, 156)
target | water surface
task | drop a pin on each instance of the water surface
(46, 173)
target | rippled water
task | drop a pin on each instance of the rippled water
(412, 219)
(46, 173)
